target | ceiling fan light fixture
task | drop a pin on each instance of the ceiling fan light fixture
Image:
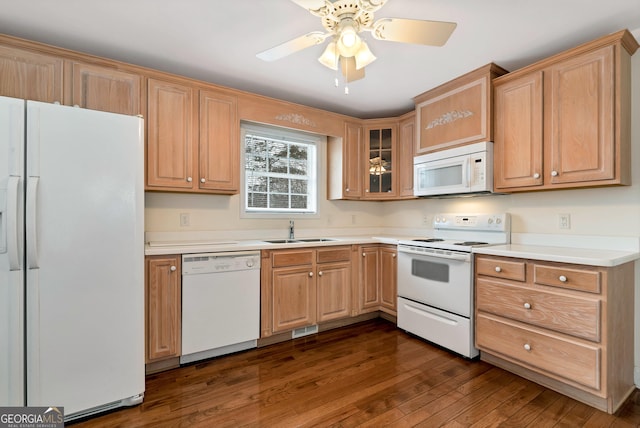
(329, 57)
(348, 40)
(364, 56)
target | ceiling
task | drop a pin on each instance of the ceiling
(217, 41)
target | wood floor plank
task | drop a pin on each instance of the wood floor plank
(365, 375)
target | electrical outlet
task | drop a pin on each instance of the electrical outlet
(564, 221)
(185, 219)
(425, 220)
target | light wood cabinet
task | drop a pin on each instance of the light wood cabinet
(192, 139)
(302, 287)
(105, 88)
(163, 307)
(406, 146)
(380, 169)
(377, 278)
(564, 122)
(345, 157)
(568, 327)
(30, 75)
(457, 112)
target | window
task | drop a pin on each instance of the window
(279, 171)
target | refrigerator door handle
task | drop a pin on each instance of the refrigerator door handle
(32, 222)
(11, 231)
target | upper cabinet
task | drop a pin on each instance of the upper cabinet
(105, 89)
(457, 112)
(192, 139)
(406, 144)
(380, 169)
(565, 122)
(344, 156)
(30, 75)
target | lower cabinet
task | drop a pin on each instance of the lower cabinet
(163, 307)
(377, 282)
(301, 287)
(568, 327)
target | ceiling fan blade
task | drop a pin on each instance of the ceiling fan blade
(433, 33)
(293, 46)
(349, 69)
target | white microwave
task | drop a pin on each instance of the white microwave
(458, 171)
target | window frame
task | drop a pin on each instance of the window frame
(283, 134)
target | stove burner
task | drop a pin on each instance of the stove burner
(429, 240)
(469, 243)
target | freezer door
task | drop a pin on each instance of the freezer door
(85, 257)
(11, 255)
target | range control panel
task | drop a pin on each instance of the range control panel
(495, 222)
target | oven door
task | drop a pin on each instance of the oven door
(437, 278)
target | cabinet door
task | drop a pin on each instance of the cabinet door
(518, 132)
(163, 307)
(388, 278)
(171, 136)
(106, 89)
(334, 290)
(294, 298)
(353, 160)
(30, 75)
(380, 174)
(369, 268)
(406, 146)
(579, 104)
(219, 142)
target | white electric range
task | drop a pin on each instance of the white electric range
(435, 278)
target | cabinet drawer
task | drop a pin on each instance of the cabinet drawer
(291, 258)
(333, 254)
(501, 268)
(567, 314)
(540, 351)
(568, 277)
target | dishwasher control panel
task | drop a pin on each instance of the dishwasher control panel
(194, 264)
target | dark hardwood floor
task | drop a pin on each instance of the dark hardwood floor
(368, 374)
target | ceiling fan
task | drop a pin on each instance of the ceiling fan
(344, 20)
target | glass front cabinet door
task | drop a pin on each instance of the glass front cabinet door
(380, 170)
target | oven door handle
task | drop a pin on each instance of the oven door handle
(460, 257)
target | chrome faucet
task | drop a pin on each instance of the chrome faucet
(291, 231)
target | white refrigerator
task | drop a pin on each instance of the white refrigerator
(71, 258)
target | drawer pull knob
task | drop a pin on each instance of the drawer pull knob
(563, 278)
(173, 268)
(527, 305)
(320, 273)
(527, 347)
(498, 269)
(536, 175)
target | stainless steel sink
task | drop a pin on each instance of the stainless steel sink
(294, 241)
(315, 240)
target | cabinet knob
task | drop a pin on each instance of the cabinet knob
(363, 254)
(563, 278)
(536, 175)
(527, 347)
(202, 180)
(554, 173)
(189, 179)
(346, 190)
(310, 273)
(394, 255)
(366, 191)
(320, 273)
(173, 268)
(527, 305)
(498, 269)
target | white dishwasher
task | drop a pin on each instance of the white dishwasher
(220, 303)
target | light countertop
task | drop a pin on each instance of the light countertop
(582, 256)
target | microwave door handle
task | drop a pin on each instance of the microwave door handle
(465, 172)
